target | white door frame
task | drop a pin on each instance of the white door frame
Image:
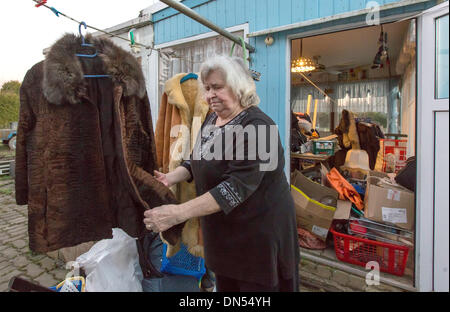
(424, 131)
(427, 106)
(318, 32)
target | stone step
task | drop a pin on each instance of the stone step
(337, 276)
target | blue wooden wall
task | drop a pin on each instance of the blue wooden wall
(169, 25)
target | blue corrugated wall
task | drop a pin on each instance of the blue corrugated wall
(263, 14)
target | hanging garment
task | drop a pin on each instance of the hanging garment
(181, 114)
(369, 137)
(347, 132)
(366, 134)
(85, 147)
(344, 188)
(297, 137)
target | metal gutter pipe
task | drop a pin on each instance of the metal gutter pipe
(194, 15)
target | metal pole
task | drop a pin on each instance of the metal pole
(194, 15)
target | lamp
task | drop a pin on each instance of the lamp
(269, 40)
(303, 64)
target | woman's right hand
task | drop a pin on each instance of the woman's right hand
(162, 177)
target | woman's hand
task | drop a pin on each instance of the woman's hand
(180, 174)
(161, 177)
(162, 218)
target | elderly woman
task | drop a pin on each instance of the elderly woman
(247, 213)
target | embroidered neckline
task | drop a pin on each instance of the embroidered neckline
(236, 119)
(207, 140)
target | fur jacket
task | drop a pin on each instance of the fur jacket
(181, 114)
(85, 147)
(357, 135)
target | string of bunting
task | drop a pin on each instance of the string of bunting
(40, 3)
(255, 75)
(57, 13)
(131, 35)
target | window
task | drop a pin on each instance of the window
(187, 58)
(442, 82)
(367, 99)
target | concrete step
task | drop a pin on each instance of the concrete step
(321, 270)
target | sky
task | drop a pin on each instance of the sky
(25, 31)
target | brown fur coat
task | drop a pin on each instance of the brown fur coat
(85, 147)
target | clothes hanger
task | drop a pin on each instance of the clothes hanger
(189, 76)
(255, 75)
(84, 44)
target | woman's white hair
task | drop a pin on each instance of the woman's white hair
(236, 76)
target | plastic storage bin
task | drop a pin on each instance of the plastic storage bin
(323, 147)
(183, 263)
(355, 250)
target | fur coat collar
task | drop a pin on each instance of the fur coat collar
(64, 80)
(193, 113)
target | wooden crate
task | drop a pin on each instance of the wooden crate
(5, 167)
(19, 284)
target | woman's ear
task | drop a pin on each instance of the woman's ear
(240, 96)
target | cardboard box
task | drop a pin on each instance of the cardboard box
(309, 198)
(388, 203)
(343, 210)
(323, 194)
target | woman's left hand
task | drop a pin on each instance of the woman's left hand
(162, 218)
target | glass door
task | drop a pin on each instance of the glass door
(433, 150)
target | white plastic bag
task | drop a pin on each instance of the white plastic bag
(112, 265)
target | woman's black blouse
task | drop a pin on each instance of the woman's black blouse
(254, 236)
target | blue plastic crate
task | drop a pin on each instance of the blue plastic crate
(183, 263)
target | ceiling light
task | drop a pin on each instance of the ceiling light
(303, 64)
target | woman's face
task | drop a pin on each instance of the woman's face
(219, 95)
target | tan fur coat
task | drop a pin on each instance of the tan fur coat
(182, 112)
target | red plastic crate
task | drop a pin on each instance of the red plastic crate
(391, 258)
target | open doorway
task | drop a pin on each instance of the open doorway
(371, 73)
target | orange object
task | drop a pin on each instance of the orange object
(300, 115)
(315, 134)
(344, 188)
